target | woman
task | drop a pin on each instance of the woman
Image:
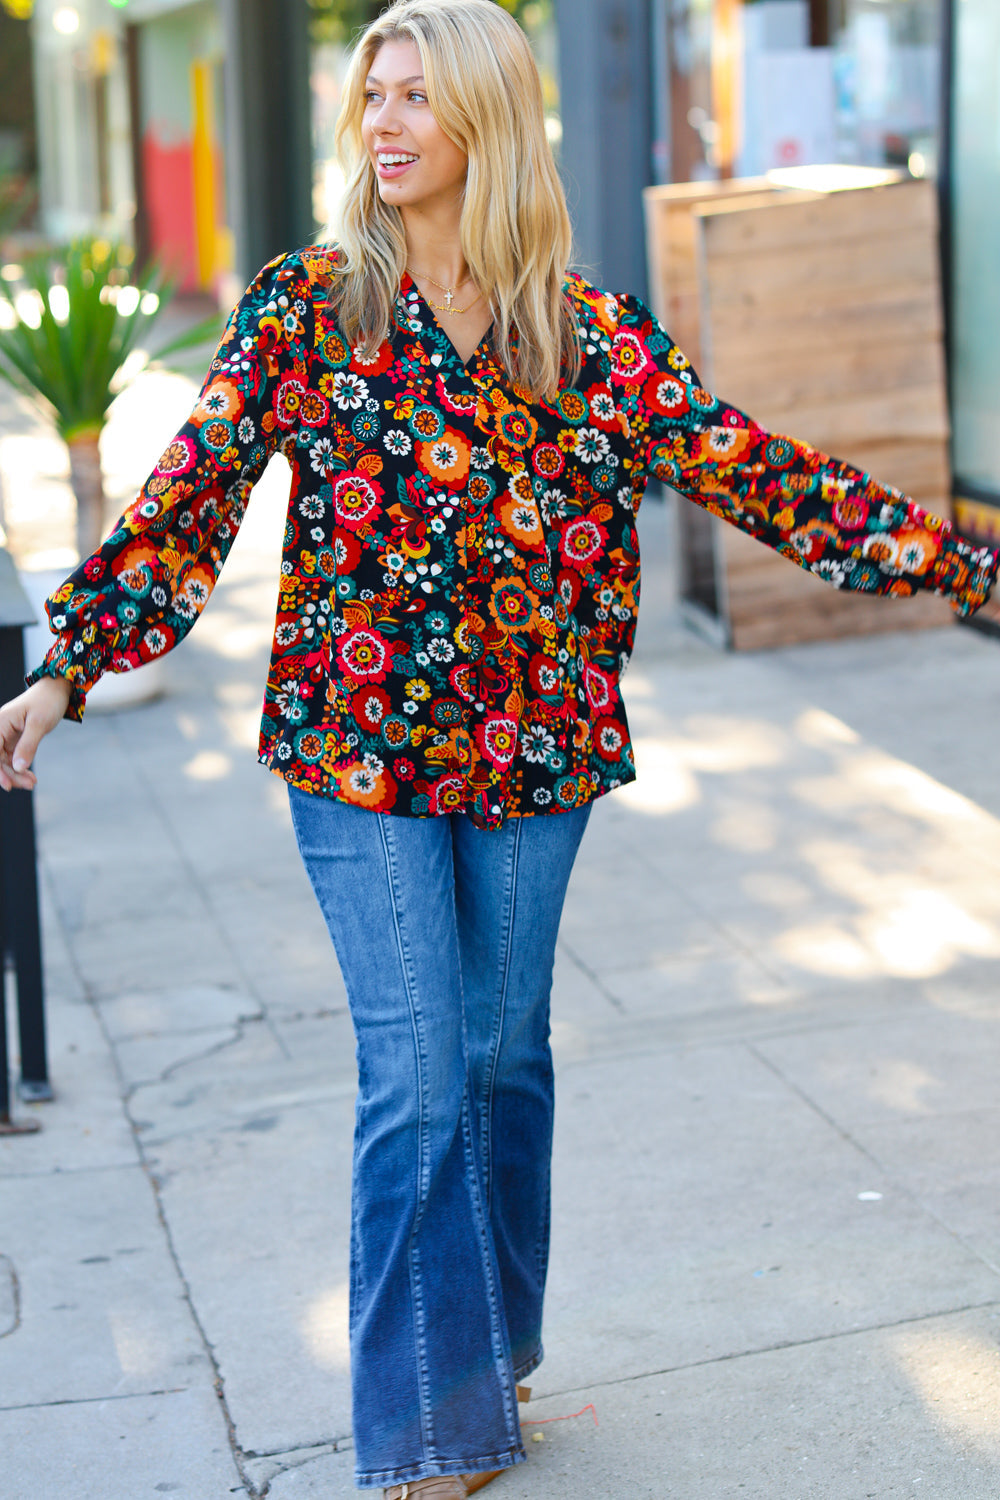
(470, 431)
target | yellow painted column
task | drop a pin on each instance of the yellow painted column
(726, 69)
(203, 171)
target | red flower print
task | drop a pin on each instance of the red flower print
(364, 654)
(372, 364)
(370, 704)
(156, 641)
(608, 738)
(666, 395)
(568, 589)
(543, 674)
(447, 794)
(582, 541)
(346, 551)
(851, 512)
(629, 357)
(597, 686)
(446, 712)
(603, 412)
(497, 739)
(356, 500)
(288, 402)
(547, 461)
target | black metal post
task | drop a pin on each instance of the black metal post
(606, 101)
(20, 931)
(268, 128)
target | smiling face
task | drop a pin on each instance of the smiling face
(417, 165)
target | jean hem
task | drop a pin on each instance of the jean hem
(438, 1468)
(529, 1366)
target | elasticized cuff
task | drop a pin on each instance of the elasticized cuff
(965, 574)
(60, 663)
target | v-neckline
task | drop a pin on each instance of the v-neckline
(482, 350)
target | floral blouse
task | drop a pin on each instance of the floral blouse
(460, 575)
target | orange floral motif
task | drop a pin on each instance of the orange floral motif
(446, 458)
(222, 398)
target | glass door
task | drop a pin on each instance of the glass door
(975, 228)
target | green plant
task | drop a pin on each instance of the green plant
(71, 326)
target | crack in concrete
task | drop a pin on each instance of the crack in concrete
(898, 1184)
(170, 1390)
(28, 1173)
(203, 892)
(588, 973)
(776, 1348)
(123, 1088)
(214, 1050)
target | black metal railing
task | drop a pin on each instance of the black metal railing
(20, 928)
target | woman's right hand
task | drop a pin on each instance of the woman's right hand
(24, 722)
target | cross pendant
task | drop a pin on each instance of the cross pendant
(449, 297)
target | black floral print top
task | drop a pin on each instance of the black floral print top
(460, 581)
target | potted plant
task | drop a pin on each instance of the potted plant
(67, 331)
(71, 330)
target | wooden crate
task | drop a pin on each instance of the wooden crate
(818, 312)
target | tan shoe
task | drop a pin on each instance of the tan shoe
(443, 1487)
(474, 1482)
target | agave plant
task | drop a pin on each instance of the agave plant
(68, 327)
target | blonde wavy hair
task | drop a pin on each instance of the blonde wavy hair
(484, 91)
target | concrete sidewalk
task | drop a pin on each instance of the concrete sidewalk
(776, 1257)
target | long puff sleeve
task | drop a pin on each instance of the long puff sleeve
(141, 592)
(828, 517)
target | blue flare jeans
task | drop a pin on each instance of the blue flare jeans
(445, 934)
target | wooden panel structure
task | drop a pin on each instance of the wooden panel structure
(819, 313)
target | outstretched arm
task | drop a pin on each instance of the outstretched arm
(146, 585)
(824, 515)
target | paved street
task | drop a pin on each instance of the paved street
(776, 1256)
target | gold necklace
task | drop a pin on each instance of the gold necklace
(449, 293)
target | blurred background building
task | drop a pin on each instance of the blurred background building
(202, 130)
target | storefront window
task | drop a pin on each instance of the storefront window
(976, 248)
(754, 85)
(887, 72)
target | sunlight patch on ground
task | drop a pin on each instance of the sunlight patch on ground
(957, 1376)
(816, 727)
(915, 933)
(904, 1086)
(208, 765)
(324, 1329)
(664, 783)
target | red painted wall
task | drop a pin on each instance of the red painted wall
(168, 187)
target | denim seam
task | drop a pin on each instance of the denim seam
(416, 1293)
(487, 1126)
(501, 1354)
